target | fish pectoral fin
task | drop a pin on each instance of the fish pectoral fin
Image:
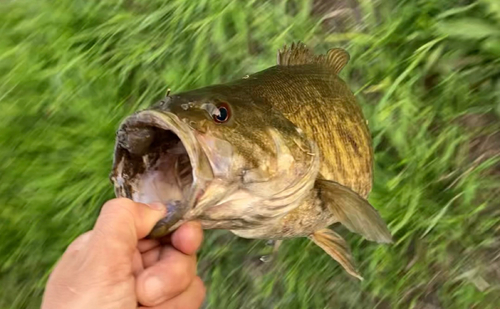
(353, 211)
(333, 244)
(298, 54)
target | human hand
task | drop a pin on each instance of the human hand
(111, 266)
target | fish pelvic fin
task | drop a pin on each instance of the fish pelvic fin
(336, 58)
(353, 211)
(333, 244)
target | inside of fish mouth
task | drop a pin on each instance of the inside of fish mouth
(159, 165)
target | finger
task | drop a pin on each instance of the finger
(147, 244)
(188, 237)
(192, 298)
(169, 277)
(137, 264)
(150, 257)
(122, 222)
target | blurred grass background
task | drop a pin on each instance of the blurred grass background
(427, 73)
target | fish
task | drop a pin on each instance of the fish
(282, 153)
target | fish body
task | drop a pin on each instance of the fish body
(282, 153)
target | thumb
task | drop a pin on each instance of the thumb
(122, 222)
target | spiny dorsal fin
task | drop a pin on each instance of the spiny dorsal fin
(298, 54)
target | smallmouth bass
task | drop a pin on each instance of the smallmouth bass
(281, 153)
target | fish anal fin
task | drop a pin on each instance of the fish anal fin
(333, 244)
(298, 54)
(353, 211)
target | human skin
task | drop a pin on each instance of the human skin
(113, 266)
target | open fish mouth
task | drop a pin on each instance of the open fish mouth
(158, 159)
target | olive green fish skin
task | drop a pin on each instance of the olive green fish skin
(246, 129)
(317, 101)
(309, 97)
(247, 132)
(293, 156)
(313, 99)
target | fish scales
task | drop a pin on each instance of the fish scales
(282, 153)
(321, 104)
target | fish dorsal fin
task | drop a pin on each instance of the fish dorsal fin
(336, 58)
(297, 54)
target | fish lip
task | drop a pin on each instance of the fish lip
(201, 170)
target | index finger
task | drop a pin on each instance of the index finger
(188, 237)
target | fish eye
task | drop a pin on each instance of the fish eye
(223, 113)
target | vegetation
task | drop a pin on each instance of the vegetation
(427, 73)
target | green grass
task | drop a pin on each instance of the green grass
(426, 73)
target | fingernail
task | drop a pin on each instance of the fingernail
(157, 206)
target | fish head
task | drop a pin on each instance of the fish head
(197, 152)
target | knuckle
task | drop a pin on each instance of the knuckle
(183, 272)
(117, 203)
(170, 277)
(120, 209)
(200, 292)
(150, 290)
(199, 285)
